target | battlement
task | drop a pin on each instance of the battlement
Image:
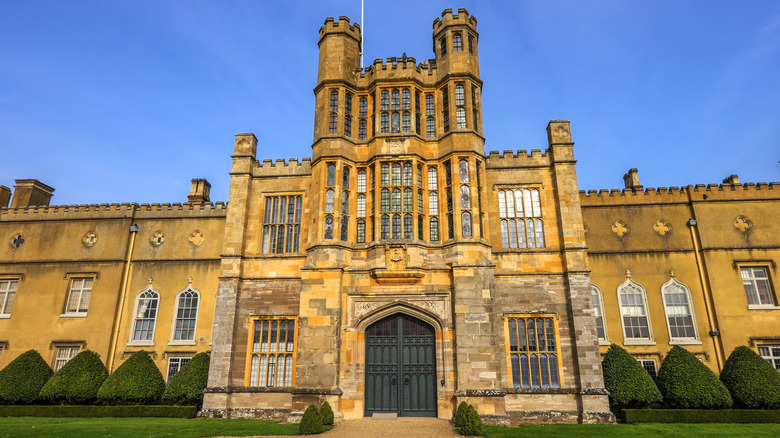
(697, 192)
(107, 211)
(521, 158)
(448, 19)
(400, 67)
(341, 26)
(281, 167)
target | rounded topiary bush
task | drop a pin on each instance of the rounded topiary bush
(473, 424)
(461, 413)
(186, 387)
(22, 379)
(137, 381)
(628, 383)
(752, 381)
(326, 413)
(311, 422)
(687, 383)
(77, 382)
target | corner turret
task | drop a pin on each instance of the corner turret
(455, 40)
(339, 49)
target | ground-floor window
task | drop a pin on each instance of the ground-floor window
(271, 359)
(771, 354)
(649, 366)
(64, 354)
(532, 349)
(175, 364)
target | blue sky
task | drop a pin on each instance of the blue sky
(126, 101)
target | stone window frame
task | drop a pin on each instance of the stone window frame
(149, 289)
(84, 295)
(285, 224)
(175, 329)
(530, 216)
(253, 368)
(64, 351)
(770, 353)
(8, 287)
(556, 350)
(457, 42)
(695, 340)
(597, 294)
(645, 364)
(650, 339)
(175, 364)
(742, 267)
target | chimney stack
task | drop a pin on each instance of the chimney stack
(199, 192)
(732, 180)
(632, 180)
(29, 193)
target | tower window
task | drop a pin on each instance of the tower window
(396, 123)
(395, 102)
(406, 122)
(362, 128)
(460, 98)
(405, 100)
(443, 45)
(334, 100)
(282, 223)
(430, 127)
(363, 107)
(348, 125)
(385, 105)
(332, 124)
(471, 45)
(460, 115)
(457, 42)
(348, 103)
(429, 104)
(384, 123)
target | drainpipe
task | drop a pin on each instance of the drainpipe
(701, 266)
(122, 298)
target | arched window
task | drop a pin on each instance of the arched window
(679, 311)
(333, 123)
(362, 129)
(328, 226)
(457, 42)
(345, 202)
(363, 107)
(145, 315)
(334, 100)
(348, 126)
(420, 233)
(344, 228)
(463, 170)
(330, 196)
(407, 174)
(361, 180)
(465, 222)
(429, 108)
(633, 310)
(396, 123)
(331, 178)
(186, 315)
(598, 313)
(434, 229)
(396, 174)
(384, 178)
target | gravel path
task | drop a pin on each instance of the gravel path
(399, 427)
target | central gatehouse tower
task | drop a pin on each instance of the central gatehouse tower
(402, 269)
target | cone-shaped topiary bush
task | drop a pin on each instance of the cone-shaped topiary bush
(627, 382)
(137, 381)
(326, 413)
(473, 424)
(686, 382)
(460, 415)
(77, 382)
(22, 379)
(311, 422)
(752, 381)
(186, 387)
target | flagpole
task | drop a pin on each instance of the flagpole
(361, 35)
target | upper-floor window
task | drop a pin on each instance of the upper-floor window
(417, 101)
(348, 125)
(363, 107)
(598, 312)
(757, 286)
(385, 103)
(282, 223)
(333, 123)
(460, 95)
(679, 311)
(186, 315)
(271, 352)
(633, 310)
(362, 131)
(145, 316)
(330, 180)
(7, 295)
(361, 180)
(384, 127)
(443, 45)
(429, 109)
(406, 122)
(395, 102)
(405, 99)
(430, 128)
(471, 44)
(519, 211)
(533, 351)
(334, 100)
(348, 103)
(78, 296)
(457, 42)
(395, 126)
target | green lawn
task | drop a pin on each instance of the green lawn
(637, 430)
(138, 427)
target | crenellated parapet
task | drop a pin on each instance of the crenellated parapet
(342, 26)
(448, 18)
(674, 194)
(281, 167)
(521, 158)
(111, 211)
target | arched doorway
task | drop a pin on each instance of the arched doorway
(401, 367)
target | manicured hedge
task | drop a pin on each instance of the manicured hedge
(77, 382)
(311, 422)
(472, 426)
(700, 416)
(628, 383)
(687, 383)
(186, 387)
(326, 413)
(461, 414)
(99, 411)
(22, 379)
(137, 381)
(752, 381)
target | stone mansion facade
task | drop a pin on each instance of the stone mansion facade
(400, 269)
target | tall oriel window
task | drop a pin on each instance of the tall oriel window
(520, 215)
(271, 358)
(186, 315)
(145, 316)
(282, 223)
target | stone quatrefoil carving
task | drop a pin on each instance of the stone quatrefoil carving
(620, 228)
(89, 239)
(743, 224)
(196, 238)
(662, 227)
(157, 238)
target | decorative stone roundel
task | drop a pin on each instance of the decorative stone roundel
(16, 241)
(157, 238)
(743, 224)
(662, 227)
(196, 238)
(620, 229)
(89, 239)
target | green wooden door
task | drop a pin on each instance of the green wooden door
(401, 367)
